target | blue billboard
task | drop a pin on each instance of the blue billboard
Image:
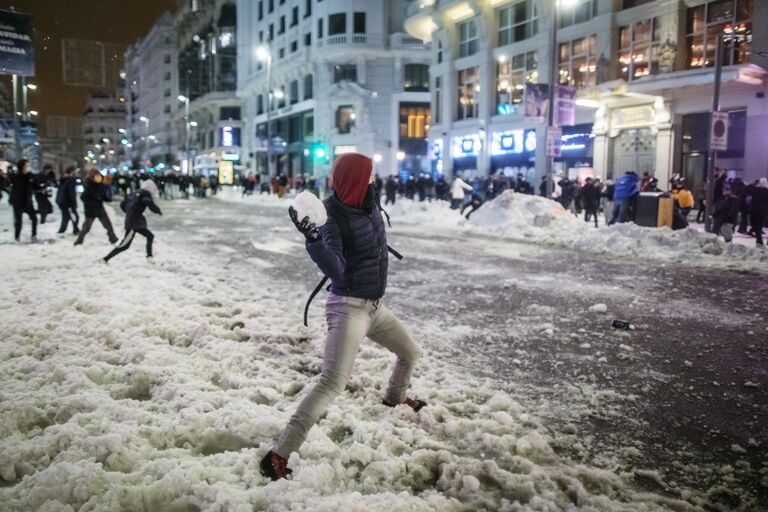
(17, 49)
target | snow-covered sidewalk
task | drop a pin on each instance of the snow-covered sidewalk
(149, 387)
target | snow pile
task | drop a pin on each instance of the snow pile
(159, 387)
(539, 220)
(307, 204)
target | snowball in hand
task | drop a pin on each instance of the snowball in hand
(307, 204)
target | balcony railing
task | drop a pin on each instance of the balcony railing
(406, 41)
(338, 40)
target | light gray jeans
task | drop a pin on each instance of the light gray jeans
(349, 321)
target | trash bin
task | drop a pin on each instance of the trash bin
(653, 209)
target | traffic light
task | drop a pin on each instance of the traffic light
(319, 152)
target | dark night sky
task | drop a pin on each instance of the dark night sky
(109, 21)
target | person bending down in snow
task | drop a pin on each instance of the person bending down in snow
(134, 205)
(351, 249)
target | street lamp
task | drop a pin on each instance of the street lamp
(145, 120)
(187, 154)
(553, 80)
(264, 54)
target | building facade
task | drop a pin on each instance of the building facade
(644, 74)
(210, 116)
(343, 77)
(103, 127)
(151, 95)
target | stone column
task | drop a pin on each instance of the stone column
(601, 143)
(665, 147)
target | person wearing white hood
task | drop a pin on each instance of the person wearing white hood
(134, 205)
(458, 192)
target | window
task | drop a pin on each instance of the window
(439, 50)
(167, 59)
(416, 77)
(732, 18)
(167, 75)
(261, 10)
(229, 114)
(259, 104)
(271, 6)
(344, 72)
(345, 118)
(281, 28)
(578, 64)
(308, 39)
(639, 49)
(337, 24)
(359, 23)
(281, 53)
(308, 87)
(281, 97)
(294, 90)
(438, 103)
(414, 120)
(468, 87)
(320, 28)
(167, 109)
(518, 22)
(467, 38)
(511, 77)
(307, 8)
(261, 36)
(628, 4)
(271, 32)
(167, 93)
(294, 46)
(295, 16)
(582, 11)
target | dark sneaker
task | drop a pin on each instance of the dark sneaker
(274, 466)
(416, 405)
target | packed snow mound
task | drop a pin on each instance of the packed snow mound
(536, 219)
(307, 204)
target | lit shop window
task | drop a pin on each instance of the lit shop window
(414, 120)
(639, 53)
(730, 18)
(518, 22)
(578, 62)
(511, 77)
(467, 38)
(467, 145)
(468, 90)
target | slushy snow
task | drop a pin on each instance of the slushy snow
(159, 387)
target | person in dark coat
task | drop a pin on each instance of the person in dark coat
(567, 194)
(93, 201)
(744, 207)
(390, 190)
(357, 268)
(590, 199)
(726, 214)
(759, 209)
(22, 190)
(4, 184)
(43, 182)
(135, 222)
(66, 200)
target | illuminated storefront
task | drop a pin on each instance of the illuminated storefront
(513, 152)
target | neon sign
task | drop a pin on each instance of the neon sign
(467, 145)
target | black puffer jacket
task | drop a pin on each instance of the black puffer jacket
(93, 199)
(363, 272)
(22, 189)
(134, 205)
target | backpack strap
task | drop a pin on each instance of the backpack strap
(312, 296)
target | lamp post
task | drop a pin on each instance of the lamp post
(25, 87)
(185, 100)
(145, 120)
(553, 81)
(264, 54)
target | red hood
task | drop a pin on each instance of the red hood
(351, 174)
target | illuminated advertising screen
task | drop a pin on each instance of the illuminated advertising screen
(230, 136)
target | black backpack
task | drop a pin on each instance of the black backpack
(346, 244)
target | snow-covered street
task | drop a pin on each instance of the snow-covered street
(159, 386)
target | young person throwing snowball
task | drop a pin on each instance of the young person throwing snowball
(351, 249)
